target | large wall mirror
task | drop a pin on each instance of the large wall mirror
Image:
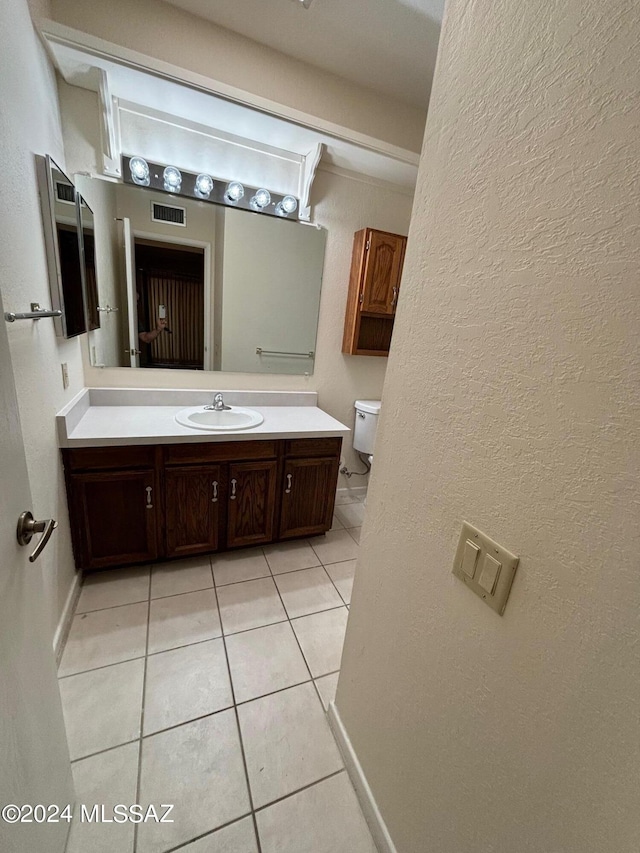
(189, 285)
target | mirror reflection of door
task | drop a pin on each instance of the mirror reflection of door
(170, 293)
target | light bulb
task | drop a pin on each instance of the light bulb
(261, 199)
(172, 179)
(204, 185)
(286, 206)
(234, 192)
(289, 203)
(139, 169)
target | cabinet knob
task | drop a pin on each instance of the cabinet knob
(289, 481)
(233, 489)
(149, 491)
(214, 499)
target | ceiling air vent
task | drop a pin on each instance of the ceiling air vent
(169, 214)
(65, 192)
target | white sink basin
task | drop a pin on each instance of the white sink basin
(199, 417)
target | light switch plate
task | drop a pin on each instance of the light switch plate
(485, 571)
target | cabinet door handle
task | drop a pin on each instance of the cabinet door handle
(289, 481)
(233, 489)
(149, 490)
(214, 499)
(395, 295)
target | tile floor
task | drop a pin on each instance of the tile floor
(204, 683)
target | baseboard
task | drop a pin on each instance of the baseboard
(62, 631)
(369, 807)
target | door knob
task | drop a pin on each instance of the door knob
(27, 526)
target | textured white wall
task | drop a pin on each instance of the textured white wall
(29, 125)
(512, 400)
(168, 33)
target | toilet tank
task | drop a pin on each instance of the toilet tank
(364, 431)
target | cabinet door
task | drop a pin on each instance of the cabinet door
(252, 497)
(117, 511)
(192, 501)
(382, 271)
(309, 491)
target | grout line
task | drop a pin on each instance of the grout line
(210, 832)
(102, 666)
(107, 749)
(144, 690)
(299, 790)
(109, 607)
(240, 739)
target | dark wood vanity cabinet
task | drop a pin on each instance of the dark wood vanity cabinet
(132, 505)
(192, 505)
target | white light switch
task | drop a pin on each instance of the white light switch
(469, 558)
(489, 574)
(485, 566)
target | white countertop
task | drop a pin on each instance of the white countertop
(133, 416)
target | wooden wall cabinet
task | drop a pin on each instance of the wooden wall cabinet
(136, 504)
(374, 286)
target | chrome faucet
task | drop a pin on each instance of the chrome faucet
(218, 404)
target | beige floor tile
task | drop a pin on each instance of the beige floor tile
(102, 707)
(240, 837)
(324, 818)
(251, 604)
(342, 575)
(290, 556)
(106, 779)
(265, 660)
(183, 619)
(104, 637)
(237, 566)
(355, 532)
(307, 591)
(351, 515)
(181, 576)
(287, 742)
(198, 768)
(336, 524)
(186, 683)
(111, 589)
(327, 688)
(334, 546)
(321, 637)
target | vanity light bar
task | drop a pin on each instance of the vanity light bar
(204, 187)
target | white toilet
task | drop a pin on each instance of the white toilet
(364, 431)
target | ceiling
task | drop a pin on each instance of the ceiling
(387, 45)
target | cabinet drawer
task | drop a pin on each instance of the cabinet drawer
(227, 451)
(109, 458)
(305, 447)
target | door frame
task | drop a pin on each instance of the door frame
(208, 289)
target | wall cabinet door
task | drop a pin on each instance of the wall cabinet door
(117, 511)
(251, 503)
(308, 496)
(192, 502)
(382, 271)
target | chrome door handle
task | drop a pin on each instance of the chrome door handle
(233, 489)
(133, 351)
(289, 481)
(149, 491)
(27, 526)
(214, 499)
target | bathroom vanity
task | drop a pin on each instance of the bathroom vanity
(142, 487)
